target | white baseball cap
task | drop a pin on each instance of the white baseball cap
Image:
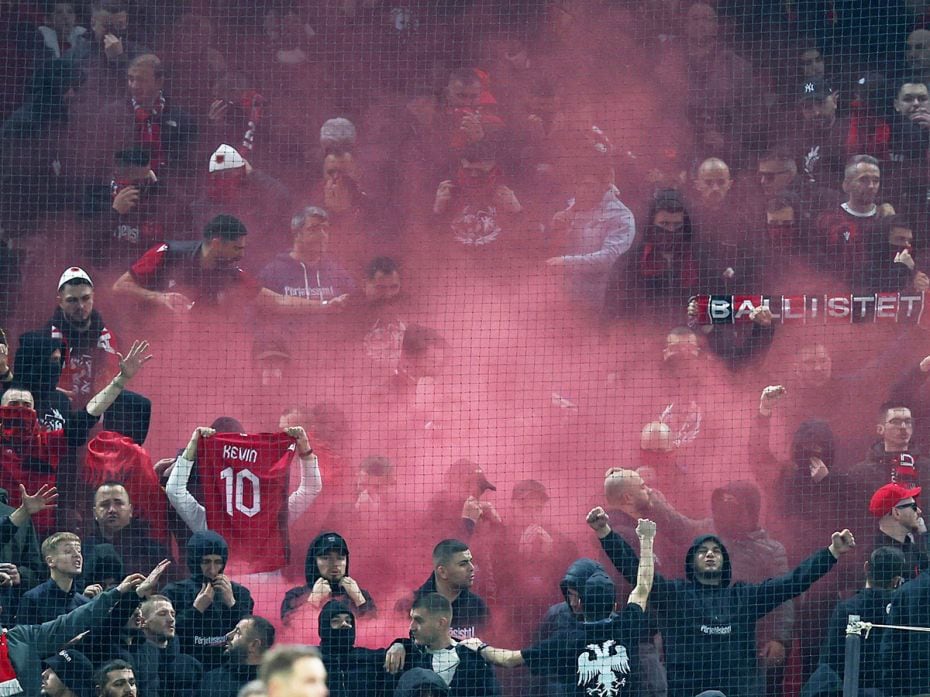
(72, 273)
(226, 157)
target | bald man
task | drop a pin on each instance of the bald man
(712, 182)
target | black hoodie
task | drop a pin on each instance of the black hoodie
(35, 371)
(709, 632)
(351, 671)
(560, 617)
(203, 635)
(295, 596)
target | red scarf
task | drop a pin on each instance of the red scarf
(9, 685)
(148, 130)
(254, 104)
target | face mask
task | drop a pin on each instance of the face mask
(337, 640)
(484, 183)
(19, 424)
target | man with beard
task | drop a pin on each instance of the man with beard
(842, 234)
(452, 578)
(327, 569)
(433, 646)
(716, 213)
(818, 142)
(160, 667)
(246, 644)
(90, 355)
(182, 275)
(352, 671)
(901, 526)
(211, 603)
(708, 625)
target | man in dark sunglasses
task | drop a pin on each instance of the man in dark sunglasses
(901, 525)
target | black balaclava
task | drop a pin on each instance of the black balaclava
(336, 640)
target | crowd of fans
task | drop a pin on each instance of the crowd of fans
(312, 188)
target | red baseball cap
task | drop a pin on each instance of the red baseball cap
(889, 496)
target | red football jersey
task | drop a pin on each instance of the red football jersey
(245, 492)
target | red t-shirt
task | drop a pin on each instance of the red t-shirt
(245, 491)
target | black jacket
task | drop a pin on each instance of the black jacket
(473, 677)
(35, 372)
(709, 632)
(164, 672)
(871, 605)
(22, 550)
(137, 549)
(203, 635)
(906, 655)
(352, 671)
(470, 614)
(47, 601)
(226, 680)
(295, 596)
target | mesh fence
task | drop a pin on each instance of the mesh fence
(467, 287)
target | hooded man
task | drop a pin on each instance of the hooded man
(37, 366)
(351, 671)
(209, 603)
(755, 556)
(327, 572)
(420, 682)
(708, 625)
(599, 656)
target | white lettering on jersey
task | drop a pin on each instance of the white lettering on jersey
(234, 452)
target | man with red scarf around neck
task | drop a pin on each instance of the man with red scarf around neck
(147, 119)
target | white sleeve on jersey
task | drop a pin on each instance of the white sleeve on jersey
(183, 501)
(311, 484)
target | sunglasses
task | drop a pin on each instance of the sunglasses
(904, 506)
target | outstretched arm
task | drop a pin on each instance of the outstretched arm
(775, 591)
(129, 365)
(505, 658)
